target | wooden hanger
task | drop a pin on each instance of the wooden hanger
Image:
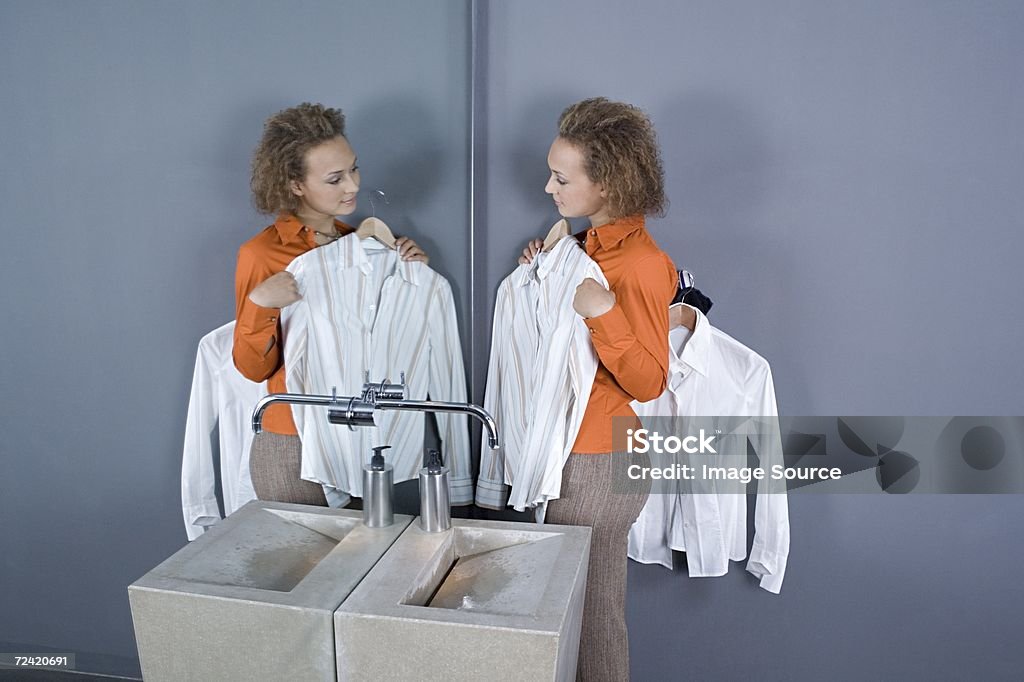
(557, 231)
(378, 229)
(681, 315)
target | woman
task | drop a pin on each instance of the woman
(304, 172)
(606, 166)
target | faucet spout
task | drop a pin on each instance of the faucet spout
(356, 412)
(291, 398)
(482, 415)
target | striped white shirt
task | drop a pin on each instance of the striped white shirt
(363, 308)
(539, 376)
(712, 374)
(217, 427)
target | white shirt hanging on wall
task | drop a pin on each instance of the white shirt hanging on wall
(711, 374)
(363, 308)
(218, 426)
(539, 376)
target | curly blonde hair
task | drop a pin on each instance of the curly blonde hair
(620, 151)
(280, 156)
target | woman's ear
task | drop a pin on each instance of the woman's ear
(296, 188)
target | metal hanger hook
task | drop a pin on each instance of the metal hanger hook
(373, 207)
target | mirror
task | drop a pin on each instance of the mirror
(400, 75)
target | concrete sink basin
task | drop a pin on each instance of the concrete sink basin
(483, 600)
(254, 597)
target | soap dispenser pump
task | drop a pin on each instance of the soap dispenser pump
(378, 488)
(435, 509)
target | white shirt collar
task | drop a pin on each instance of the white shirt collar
(544, 263)
(690, 349)
(353, 254)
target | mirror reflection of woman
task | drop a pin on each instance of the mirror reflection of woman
(606, 166)
(304, 172)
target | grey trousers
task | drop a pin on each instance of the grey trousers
(596, 492)
(275, 461)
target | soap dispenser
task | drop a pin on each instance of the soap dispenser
(435, 509)
(378, 488)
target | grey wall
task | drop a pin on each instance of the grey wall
(845, 184)
(127, 129)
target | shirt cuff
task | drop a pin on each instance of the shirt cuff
(770, 567)
(254, 319)
(460, 491)
(491, 495)
(198, 520)
(611, 329)
(336, 499)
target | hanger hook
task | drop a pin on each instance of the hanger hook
(373, 207)
(686, 281)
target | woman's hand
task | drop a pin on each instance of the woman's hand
(409, 250)
(277, 291)
(531, 251)
(592, 299)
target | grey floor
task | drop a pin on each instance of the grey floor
(11, 675)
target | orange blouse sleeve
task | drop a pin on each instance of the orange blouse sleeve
(631, 339)
(256, 351)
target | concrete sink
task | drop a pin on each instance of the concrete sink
(254, 597)
(483, 600)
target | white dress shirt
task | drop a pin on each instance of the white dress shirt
(711, 374)
(539, 376)
(363, 308)
(218, 426)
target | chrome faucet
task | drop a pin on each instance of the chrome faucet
(358, 411)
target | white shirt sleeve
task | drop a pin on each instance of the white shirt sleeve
(770, 551)
(569, 364)
(448, 383)
(491, 490)
(296, 337)
(198, 492)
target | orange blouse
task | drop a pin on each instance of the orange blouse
(631, 339)
(256, 351)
